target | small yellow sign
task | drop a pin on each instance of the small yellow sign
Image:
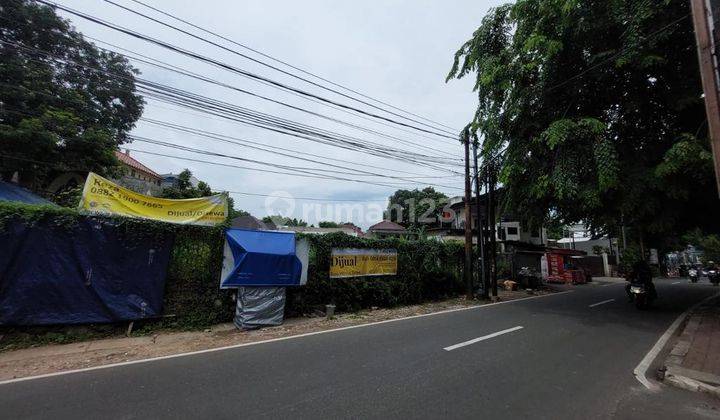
(103, 197)
(350, 262)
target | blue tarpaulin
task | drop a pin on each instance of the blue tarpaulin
(12, 192)
(260, 258)
(91, 272)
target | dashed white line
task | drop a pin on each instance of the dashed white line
(675, 282)
(483, 338)
(601, 303)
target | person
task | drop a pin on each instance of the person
(640, 274)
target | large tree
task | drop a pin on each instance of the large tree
(594, 108)
(62, 100)
(416, 208)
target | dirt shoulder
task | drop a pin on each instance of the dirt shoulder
(56, 358)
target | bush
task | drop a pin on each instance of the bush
(427, 270)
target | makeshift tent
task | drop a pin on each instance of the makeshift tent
(260, 258)
(12, 192)
(89, 272)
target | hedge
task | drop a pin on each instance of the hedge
(427, 270)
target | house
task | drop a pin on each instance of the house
(251, 223)
(317, 230)
(388, 229)
(132, 175)
(508, 229)
(136, 176)
(172, 180)
(580, 238)
(358, 231)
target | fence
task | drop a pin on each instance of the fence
(427, 270)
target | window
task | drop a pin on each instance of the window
(512, 231)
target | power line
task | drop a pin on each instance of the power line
(66, 168)
(179, 70)
(167, 25)
(303, 170)
(219, 108)
(235, 69)
(286, 63)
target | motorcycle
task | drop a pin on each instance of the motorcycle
(693, 274)
(641, 295)
(713, 276)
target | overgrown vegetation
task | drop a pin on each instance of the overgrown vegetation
(427, 271)
(596, 110)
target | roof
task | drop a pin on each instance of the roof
(311, 229)
(386, 226)
(12, 192)
(250, 222)
(126, 159)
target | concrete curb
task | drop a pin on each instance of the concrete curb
(689, 379)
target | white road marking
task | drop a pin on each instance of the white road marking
(234, 346)
(601, 303)
(675, 282)
(640, 371)
(483, 338)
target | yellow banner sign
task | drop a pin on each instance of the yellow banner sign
(104, 197)
(349, 262)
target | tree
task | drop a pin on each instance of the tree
(415, 208)
(594, 111)
(184, 188)
(284, 221)
(64, 103)
(328, 225)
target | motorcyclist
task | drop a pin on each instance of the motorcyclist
(640, 275)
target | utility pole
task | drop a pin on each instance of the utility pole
(491, 224)
(708, 72)
(468, 219)
(480, 225)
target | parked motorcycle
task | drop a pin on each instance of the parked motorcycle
(641, 295)
(693, 275)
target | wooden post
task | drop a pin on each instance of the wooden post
(709, 78)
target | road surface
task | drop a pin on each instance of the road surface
(567, 355)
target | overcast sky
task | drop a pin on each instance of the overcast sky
(395, 51)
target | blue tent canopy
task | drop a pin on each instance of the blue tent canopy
(260, 258)
(12, 192)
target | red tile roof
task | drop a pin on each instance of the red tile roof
(386, 225)
(131, 162)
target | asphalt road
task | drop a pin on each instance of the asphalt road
(572, 358)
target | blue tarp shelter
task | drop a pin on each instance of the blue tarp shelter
(12, 192)
(260, 258)
(91, 272)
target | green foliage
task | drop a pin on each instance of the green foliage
(415, 208)
(184, 188)
(596, 110)
(427, 270)
(72, 113)
(328, 225)
(708, 244)
(284, 221)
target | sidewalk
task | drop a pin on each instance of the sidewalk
(694, 362)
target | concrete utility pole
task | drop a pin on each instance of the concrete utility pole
(702, 20)
(468, 219)
(480, 225)
(491, 224)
